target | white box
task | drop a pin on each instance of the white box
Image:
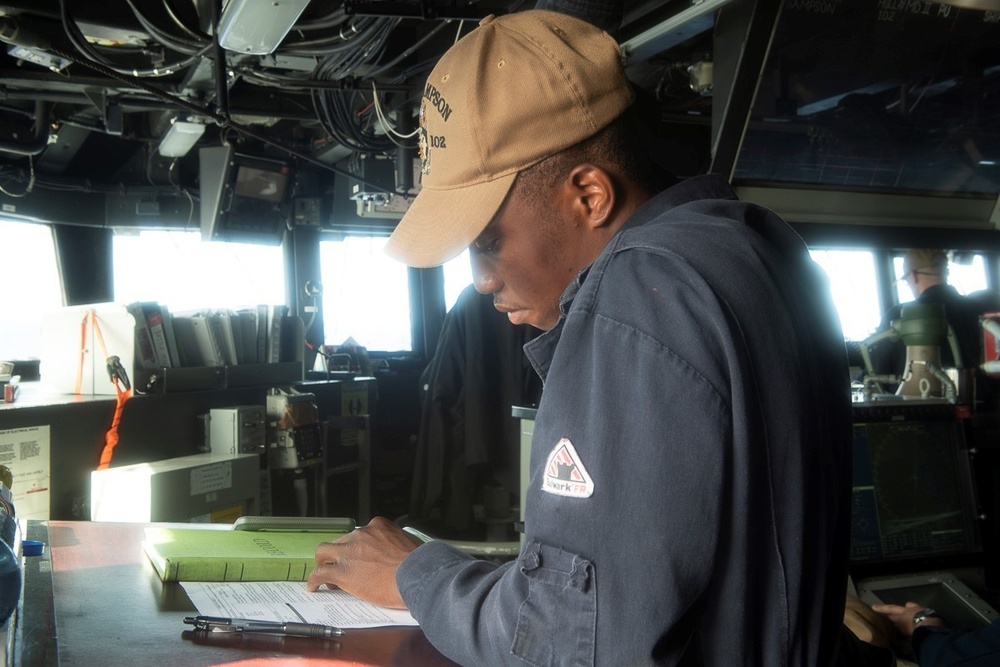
(238, 430)
(207, 488)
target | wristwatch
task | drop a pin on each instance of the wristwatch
(923, 615)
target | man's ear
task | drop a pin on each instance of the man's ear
(593, 195)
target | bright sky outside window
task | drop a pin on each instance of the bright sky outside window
(184, 273)
(457, 276)
(365, 295)
(854, 289)
(30, 261)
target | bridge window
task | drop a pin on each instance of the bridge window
(180, 271)
(457, 276)
(854, 288)
(365, 294)
(32, 287)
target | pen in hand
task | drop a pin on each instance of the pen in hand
(220, 624)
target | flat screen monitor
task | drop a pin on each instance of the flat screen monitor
(912, 493)
(242, 198)
(265, 184)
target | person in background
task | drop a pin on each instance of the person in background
(689, 494)
(936, 645)
(468, 445)
(925, 271)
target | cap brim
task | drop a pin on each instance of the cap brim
(440, 224)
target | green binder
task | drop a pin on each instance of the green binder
(192, 554)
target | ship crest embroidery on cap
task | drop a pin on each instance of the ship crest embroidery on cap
(423, 146)
(437, 101)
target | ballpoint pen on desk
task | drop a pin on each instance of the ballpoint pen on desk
(221, 624)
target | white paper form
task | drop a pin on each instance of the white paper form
(290, 601)
(26, 452)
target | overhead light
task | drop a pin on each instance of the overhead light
(700, 74)
(180, 138)
(257, 26)
(683, 25)
(984, 5)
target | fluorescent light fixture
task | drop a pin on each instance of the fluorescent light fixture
(984, 5)
(683, 25)
(257, 26)
(179, 139)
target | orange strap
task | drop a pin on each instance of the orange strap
(83, 351)
(111, 437)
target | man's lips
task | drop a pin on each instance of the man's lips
(514, 313)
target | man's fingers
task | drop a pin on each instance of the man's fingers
(364, 563)
(323, 573)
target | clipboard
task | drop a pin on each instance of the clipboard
(298, 524)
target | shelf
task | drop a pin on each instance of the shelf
(207, 378)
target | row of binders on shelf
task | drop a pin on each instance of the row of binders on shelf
(214, 349)
(219, 337)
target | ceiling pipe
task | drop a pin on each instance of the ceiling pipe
(39, 141)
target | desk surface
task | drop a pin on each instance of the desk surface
(106, 606)
(38, 395)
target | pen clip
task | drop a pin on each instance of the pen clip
(198, 622)
(211, 624)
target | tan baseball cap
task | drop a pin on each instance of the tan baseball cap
(514, 91)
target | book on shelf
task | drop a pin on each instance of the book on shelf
(275, 325)
(200, 554)
(145, 355)
(153, 335)
(222, 327)
(245, 323)
(262, 331)
(197, 339)
(154, 318)
(168, 329)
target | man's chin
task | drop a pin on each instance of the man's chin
(518, 316)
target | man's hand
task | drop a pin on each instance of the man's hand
(364, 563)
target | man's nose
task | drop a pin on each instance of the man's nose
(486, 283)
(484, 279)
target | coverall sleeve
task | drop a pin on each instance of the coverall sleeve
(940, 647)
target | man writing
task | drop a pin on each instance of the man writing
(688, 501)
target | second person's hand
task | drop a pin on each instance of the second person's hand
(902, 616)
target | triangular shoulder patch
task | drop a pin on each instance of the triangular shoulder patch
(565, 474)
